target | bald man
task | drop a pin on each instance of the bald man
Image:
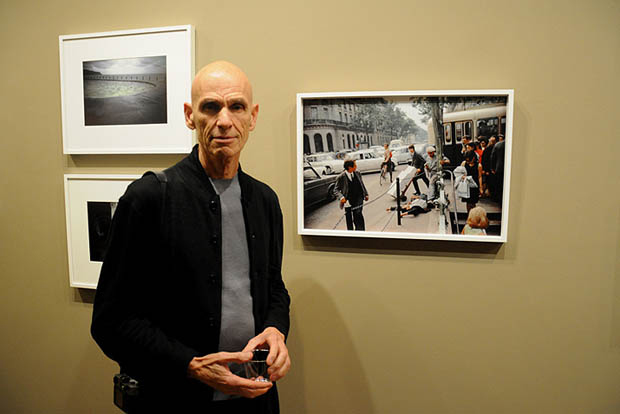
(191, 284)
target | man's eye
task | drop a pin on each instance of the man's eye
(237, 107)
(211, 107)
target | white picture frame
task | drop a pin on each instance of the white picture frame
(122, 92)
(85, 196)
(336, 124)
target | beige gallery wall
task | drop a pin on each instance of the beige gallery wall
(531, 326)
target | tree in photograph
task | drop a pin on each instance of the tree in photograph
(405, 125)
(432, 108)
(368, 116)
(389, 119)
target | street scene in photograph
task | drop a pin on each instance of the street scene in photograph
(378, 164)
(125, 91)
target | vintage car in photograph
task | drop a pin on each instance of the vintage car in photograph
(318, 189)
(401, 155)
(310, 174)
(332, 164)
(395, 143)
(367, 160)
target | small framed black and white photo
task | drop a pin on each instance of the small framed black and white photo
(123, 92)
(90, 203)
(429, 165)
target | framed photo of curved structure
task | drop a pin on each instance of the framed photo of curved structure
(123, 91)
(429, 165)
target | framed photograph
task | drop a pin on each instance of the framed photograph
(90, 202)
(123, 92)
(405, 164)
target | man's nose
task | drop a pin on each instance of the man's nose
(223, 119)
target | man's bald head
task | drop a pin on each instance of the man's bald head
(219, 72)
(223, 114)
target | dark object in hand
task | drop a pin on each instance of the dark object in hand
(257, 368)
(260, 354)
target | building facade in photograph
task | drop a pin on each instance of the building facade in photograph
(334, 125)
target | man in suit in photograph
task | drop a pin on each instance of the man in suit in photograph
(353, 194)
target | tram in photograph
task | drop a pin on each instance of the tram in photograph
(484, 121)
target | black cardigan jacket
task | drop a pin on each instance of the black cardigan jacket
(158, 301)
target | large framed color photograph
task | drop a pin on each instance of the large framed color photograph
(406, 165)
(123, 91)
(90, 202)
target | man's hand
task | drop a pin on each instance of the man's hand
(278, 359)
(366, 198)
(213, 370)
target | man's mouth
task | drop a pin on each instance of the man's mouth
(223, 139)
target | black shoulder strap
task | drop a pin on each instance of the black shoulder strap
(163, 180)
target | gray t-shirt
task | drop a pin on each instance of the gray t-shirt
(237, 325)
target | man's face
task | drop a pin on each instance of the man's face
(492, 141)
(221, 112)
(431, 154)
(411, 150)
(353, 168)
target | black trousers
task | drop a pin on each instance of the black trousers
(355, 217)
(179, 403)
(498, 187)
(415, 182)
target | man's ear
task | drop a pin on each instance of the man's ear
(189, 116)
(254, 117)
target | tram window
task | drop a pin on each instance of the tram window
(458, 132)
(314, 112)
(467, 125)
(447, 133)
(487, 127)
(503, 125)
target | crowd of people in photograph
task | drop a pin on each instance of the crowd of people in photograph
(489, 161)
(479, 173)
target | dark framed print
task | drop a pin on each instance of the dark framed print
(90, 202)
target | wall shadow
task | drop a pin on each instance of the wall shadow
(615, 309)
(130, 161)
(405, 247)
(327, 372)
(84, 295)
(93, 371)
